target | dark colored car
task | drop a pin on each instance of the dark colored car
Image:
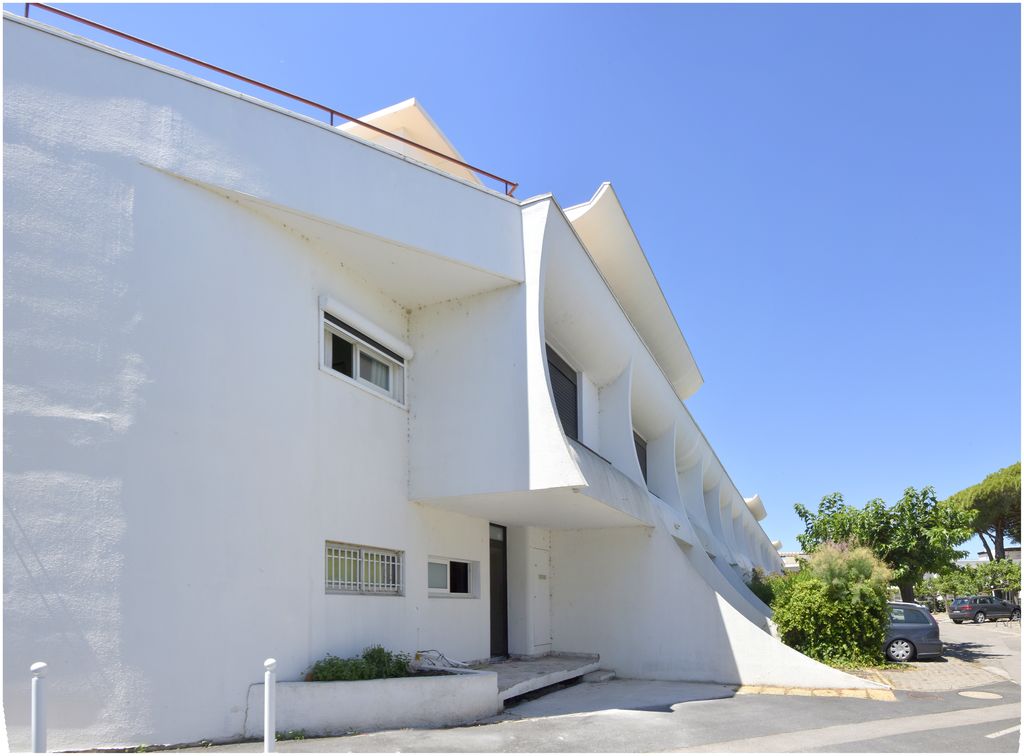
(913, 633)
(982, 609)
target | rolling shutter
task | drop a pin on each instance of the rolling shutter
(563, 387)
(641, 453)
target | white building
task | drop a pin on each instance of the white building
(274, 390)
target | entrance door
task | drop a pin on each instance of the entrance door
(499, 592)
(540, 592)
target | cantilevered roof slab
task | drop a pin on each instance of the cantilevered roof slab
(603, 227)
(410, 276)
(410, 120)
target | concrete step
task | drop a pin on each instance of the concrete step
(518, 676)
(599, 675)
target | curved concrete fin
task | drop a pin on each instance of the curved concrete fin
(616, 425)
(703, 563)
(552, 464)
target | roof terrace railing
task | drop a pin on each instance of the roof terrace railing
(510, 186)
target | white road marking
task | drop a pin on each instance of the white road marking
(852, 733)
(979, 694)
(1007, 731)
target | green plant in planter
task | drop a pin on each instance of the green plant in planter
(383, 663)
(375, 663)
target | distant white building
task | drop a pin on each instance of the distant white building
(275, 388)
(1012, 553)
(791, 560)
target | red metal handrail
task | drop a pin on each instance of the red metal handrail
(510, 186)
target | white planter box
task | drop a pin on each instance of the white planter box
(322, 708)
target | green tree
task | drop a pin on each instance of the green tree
(916, 535)
(1002, 575)
(997, 503)
(987, 577)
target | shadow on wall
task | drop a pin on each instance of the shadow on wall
(632, 596)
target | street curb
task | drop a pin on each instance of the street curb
(770, 690)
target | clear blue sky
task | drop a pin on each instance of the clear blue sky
(829, 195)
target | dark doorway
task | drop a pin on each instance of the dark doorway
(499, 592)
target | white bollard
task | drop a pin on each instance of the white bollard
(38, 708)
(269, 707)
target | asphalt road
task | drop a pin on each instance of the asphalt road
(633, 715)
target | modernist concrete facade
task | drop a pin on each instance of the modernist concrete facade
(274, 390)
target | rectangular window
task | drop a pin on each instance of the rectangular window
(564, 390)
(362, 569)
(641, 453)
(351, 353)
(452, 577)
(437, 576)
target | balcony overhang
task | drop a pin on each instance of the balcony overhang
(610, 499)
(554, 508)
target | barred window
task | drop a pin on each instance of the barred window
(362, 569)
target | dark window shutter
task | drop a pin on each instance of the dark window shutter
(458, 577)
(563, 386)
(641, 453)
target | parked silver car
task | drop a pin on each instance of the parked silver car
(913, 633)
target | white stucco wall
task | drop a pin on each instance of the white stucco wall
(470, 379)
(174, 458)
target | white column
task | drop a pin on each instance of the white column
(38, 708)
(269, 706)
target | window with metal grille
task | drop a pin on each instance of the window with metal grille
(362, 569)
(564, 390)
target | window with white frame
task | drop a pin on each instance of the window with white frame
(362, 569)
(350, 353)
(452, 577)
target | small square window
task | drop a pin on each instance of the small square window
(349, 352)
(452, 577)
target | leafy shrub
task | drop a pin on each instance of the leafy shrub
(834, 609)
(375, 663)
(762, 586)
